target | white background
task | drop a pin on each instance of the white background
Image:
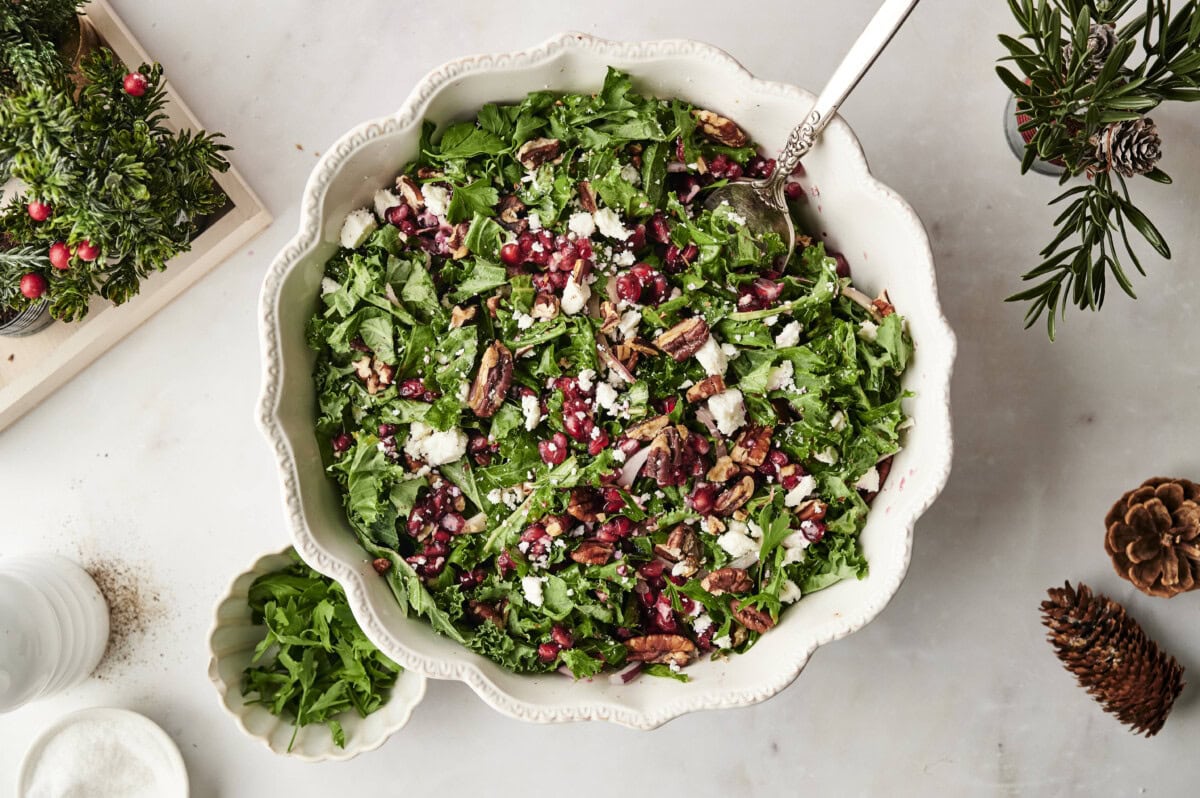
(151, 456)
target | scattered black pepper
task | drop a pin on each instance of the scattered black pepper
(134, 608)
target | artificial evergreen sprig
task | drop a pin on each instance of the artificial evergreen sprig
(29, 33)
(117, 179)
(1088, 83)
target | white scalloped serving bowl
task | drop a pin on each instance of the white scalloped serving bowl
(880, 234)
(231, 643)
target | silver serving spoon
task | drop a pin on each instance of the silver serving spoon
(761, 202)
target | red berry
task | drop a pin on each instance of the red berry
(86, 250)
(135, 84)
(629, 287)
(511, 254)
(554, 451)
(33, 285)
(703, 498)
(598, 444)
(562, 636)
(548, 652)
(60, 256)
(341, 442)
(793, 191)
(38, 211)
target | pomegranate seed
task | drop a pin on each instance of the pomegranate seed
(548, 652)
(33, 285)
(441, 536)
(412, 388)
(504, 563)
(689, 253)
(747, 301)
(651, 570)
(454, 523)
(644, 272)
(667, 406)
(398, 214)
(637, 241)
(701, 445)
(387, 430)
(703, 498)
(678, 581)
(613, 500)
(658, 229)
(510, 254)
(843, 265)
(569, 387)
(60, 256)
(38, 211)
(629, 287)
(562, 636)
(813, 530)
(559, 280)
(767, 291)
(381, 565)
(598, 444)
(553, 451)
(778, 457)
(466, 580)
(793, 191)
(659, 289)
(135, 84)
(341, 442)
(578, 426)
(533, 532)
(790, 481)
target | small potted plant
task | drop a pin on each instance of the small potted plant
(1089, 73)
(108, 194)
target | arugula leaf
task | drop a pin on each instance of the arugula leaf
(478, 198)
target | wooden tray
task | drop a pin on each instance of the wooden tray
(32, 368)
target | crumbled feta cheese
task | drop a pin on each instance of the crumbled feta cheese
(437, 200)
(730, 351)
(702, 623)
(586, 379)
(828, 457)
(804, 488)
(532, 409)
(524, 320)
(794, 555)
(722, 642)
(494, 495)
(628, 325)
(756, 531)
(531, 586)
(625, 258)
(788, 336)
(357, 228)
(609, 224)
(737, 545)
(329, 286)
(728, 410)
(464, 390)
(385, 200)
(606, 396)
(771, 321)
(711, 358)
(780, 378)
(796, 540)
(869, 481)
(838, 421)
(790, 593)
(575, 297)
(868, 330)
(629, 174)
(582, 224)
(434, 446)
(535, 221)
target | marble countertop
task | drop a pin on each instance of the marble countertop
(150, 460)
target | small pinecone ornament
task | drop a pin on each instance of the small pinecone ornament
(1153, 536)
(1130, 148)
(1101, 41)
(1111, 656)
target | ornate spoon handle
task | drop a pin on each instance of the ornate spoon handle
(879, 32)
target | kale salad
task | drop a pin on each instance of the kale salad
(579, 421)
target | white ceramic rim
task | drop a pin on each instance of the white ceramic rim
(352, 580)
(265, 564)
(174, 758)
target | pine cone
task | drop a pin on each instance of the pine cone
(1131, 148)
(1112, 657)
(1101, 41)
(1154, 536)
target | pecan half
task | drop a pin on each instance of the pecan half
(661, 649)
(510, 210)
(457, 242)
(587, 196)
(720, 129)
(411, 192)
(709, 386)
(492, 303)
(647, 430)
(684, 339)
(556, 525)
(812, 510)
(584, 505)
(545, 307)
(683, 546)
(609, 316)
(752, 618)
(486, 612)
(640, 346)
(381, 565)
(752, 446)
(727, 580)
(592, 552)
(491, 381)
(883, 305)
(723, 470)
(733, 498)
(460, 315)
(664, 462)
(536, 152)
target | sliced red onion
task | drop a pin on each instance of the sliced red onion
(633, 467)
(611, 361)
(860, 299)
(565, 671)
(626, 676)
(705, 417)
(675, 167)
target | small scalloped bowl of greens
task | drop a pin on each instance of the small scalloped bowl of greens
(567, 435)
(352, 697)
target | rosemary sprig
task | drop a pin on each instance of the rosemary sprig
(1071, 97)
